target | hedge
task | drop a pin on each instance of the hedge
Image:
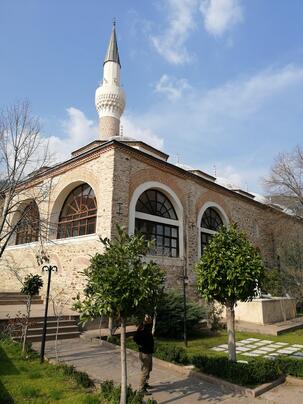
(290, 366)
(255, 372)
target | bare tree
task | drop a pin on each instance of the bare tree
(23, 155)
(285, 181)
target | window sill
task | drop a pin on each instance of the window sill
(67, 240)
(169, 261)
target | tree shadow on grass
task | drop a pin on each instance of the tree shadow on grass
(6, 368)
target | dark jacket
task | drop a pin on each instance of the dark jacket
(144, 338)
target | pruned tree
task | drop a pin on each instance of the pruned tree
(23, 154)
(285, 180)
(120, 284)
(59, 301)
(31, 287)
(229, 271)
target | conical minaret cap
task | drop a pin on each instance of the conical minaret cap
(112, 54)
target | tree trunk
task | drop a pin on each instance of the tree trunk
(123, 397)
(110, 327)
(230, 322)
(154, 322)
(28, 313)
(100, 329)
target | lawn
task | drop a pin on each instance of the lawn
(201, 345)
(28, 381)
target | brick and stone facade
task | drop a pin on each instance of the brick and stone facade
(118, 173)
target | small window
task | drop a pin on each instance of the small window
(28, 226)
(210, 223)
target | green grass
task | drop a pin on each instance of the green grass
(28, 381)
(202, 345)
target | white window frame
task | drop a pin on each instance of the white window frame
(175, 201)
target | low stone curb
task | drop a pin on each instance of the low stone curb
(294, 380)
(189, 371)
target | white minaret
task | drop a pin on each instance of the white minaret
(110, 98)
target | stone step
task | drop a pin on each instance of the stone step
(20, 301)
(51, 330)
(49, 337)
(51, 323)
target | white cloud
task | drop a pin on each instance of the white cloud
(171, 43)
(171, 87)
(137, 131)
(78, 131)
(221, 15)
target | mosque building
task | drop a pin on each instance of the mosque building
(119, 180)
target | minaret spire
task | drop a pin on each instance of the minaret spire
(112, 54)
(110, 98)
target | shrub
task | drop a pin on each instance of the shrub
(110, 394)
(170, 315)
(290, 366)
(255, 372)
(172, 354)
(81, 378)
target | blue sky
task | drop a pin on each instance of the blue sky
(214, 83)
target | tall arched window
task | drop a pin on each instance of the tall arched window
(79, 213)
(210, 223)
(156, 219)
(28, 226)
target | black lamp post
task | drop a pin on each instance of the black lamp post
(185, 283)
(49, 269)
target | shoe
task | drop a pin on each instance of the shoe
(145, 392)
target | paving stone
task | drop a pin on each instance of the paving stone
(258, 351)
(252, 346)
(219, 349)
(274, 346)
(297, 346)
(225, 346)
(298, 355)
(251, 354)
(242, 349)
(253, 339)
(282, 343)
(245, 341)
(284, 352)
(267, 349)
(261, 343)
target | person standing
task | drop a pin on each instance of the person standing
(145, 341)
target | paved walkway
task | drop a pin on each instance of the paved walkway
(102, 362)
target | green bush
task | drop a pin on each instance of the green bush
(172, 354)
(290, 366)
(110, 394)
(170, 314)
(255, 372)
(81, 378)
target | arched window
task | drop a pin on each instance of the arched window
(156, 219)
(210, 223)
(79, 213)
(28, 226)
